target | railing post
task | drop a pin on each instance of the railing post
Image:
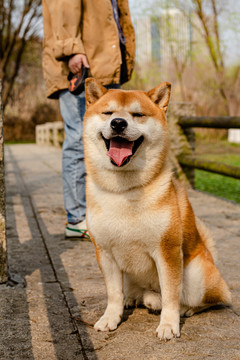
(3, 245)
(182, 140)
(50, 134)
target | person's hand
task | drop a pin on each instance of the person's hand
(76, 61)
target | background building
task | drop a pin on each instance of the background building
(163, 37)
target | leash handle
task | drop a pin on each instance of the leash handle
(77, 81)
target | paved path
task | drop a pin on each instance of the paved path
(52, 316)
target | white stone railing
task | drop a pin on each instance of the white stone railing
(50, 134)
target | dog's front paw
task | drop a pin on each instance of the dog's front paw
(167, 331)
(107, 323)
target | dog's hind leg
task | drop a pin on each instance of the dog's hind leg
(152, 300)
(133, 293)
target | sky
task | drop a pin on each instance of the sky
(230, 24)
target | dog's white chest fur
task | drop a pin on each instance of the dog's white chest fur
(128, 226)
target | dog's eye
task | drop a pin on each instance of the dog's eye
(137, 114)
(107, 113)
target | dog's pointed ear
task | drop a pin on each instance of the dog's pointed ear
(93, 91)
(160, 95)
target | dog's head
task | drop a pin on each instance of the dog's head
(125, 130)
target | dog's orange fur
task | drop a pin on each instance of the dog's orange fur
(139, 216)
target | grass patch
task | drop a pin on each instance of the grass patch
(219, 185)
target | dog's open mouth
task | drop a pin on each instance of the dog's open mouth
(121, 150)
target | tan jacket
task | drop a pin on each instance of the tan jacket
(85, 27)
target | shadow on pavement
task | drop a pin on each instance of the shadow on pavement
(25, 257)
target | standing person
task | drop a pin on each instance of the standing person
(99, 35)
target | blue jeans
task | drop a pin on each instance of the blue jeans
(72, 109)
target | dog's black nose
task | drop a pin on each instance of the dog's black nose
(119, 124)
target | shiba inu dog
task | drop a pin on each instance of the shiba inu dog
(151, 248)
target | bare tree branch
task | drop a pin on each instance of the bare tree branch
(9, 23)
(13, 38)
(216, 30)
(211, 35)
(10, 84)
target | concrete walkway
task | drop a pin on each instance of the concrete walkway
(57, 291)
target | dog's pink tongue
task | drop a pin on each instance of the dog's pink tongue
(119, 150)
